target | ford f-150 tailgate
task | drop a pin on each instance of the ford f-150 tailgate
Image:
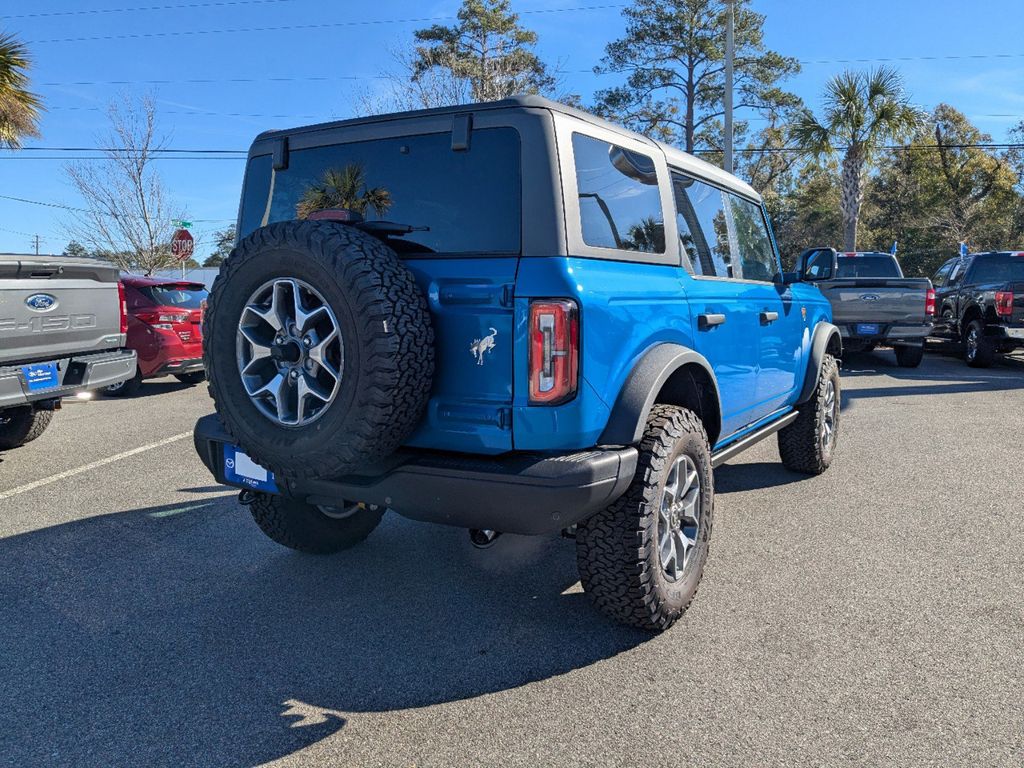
(53, 308)
(883, 301)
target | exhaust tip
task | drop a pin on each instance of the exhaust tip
(482, 539)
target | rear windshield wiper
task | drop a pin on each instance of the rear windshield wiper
(388, 228)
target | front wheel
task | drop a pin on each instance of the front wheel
(315, 529)
(909, 357)
(22, 425)
(641, 559)
(126, 388)
(807, 444)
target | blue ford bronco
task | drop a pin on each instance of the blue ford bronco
(511, 317)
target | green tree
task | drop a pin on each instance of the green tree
(224, 241)
(673, 56)
(487, 48)
(76, 249)
(805, 214)
(863, 111)
(941, 189)
(343, 188)
(19, 107)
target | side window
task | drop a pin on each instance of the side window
(723, 235)
(942, 275)
(620, 205)
(700, 213)
(756, 254)
(959, 270)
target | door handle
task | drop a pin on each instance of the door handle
(769, 317)
(709, 320)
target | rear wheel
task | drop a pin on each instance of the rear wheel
(197, 377)
(22, 425)
(909, 357)
(979, 351)
(807, 444)
(125, 388)
(641, 559)
(317, 530)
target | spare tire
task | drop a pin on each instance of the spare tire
(318, 348)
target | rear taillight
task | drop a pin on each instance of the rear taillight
(163, 319)
(929, 302)
(554, 351)
(1004, 303)
(122, 303)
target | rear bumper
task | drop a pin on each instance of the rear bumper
(79, 373)
(913, 334)
(517, 493)
(179, 366)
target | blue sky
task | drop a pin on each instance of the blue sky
(187, 43)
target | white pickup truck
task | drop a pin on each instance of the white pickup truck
(62, 329)
(872, 302)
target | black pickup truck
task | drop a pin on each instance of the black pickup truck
(979, 299)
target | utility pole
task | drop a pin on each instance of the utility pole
(729, 54)
(36, 240)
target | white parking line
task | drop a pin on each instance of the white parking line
(87, 467)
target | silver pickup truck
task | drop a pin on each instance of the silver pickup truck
(872, 302)
(62, 329)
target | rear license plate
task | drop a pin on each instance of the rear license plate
(239, 469)
(868, 329)
(40, 376)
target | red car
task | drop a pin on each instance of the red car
(165, 329)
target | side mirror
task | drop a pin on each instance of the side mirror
(817, 264)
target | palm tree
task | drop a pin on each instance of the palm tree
(863, 112)
(343, 188)
(19, 107)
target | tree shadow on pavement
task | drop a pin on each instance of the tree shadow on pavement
(179, 635)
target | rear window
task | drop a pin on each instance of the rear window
(867, 266)
(456, 202)
(174, 296)
(1002, 268)
(620, 205)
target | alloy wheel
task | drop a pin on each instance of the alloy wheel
(679, 517)
(290, 352)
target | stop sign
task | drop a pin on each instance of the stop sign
(182, 245)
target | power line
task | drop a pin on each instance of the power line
(199, 113)
(65, 158)
(183, 6)
(85, 210)
(300, 27)
(128, 150)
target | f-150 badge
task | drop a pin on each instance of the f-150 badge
(480, 347)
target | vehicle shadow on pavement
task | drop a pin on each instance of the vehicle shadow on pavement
(733, 478)
(179, 635)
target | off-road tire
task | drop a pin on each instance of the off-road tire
(800, 444)
(909, 357)
(22, 425)
(617, 548)
(388, 341)
(197, 377)
(126, 388)
(985, 353)
(303, 527)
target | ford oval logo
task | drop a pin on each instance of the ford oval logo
(41, 302)
(869, 297)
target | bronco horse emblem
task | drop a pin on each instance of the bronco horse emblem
(480, 347)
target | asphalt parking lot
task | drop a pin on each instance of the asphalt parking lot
(871, 616)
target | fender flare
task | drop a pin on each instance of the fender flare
(824, 334)
(647, 378)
